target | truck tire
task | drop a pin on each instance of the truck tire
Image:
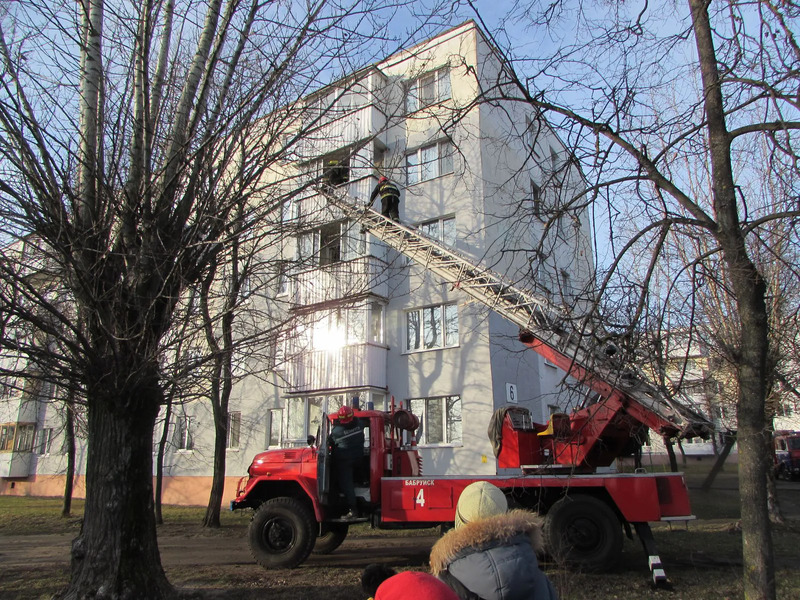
(584, 533)
(282, 533)
(331, 537)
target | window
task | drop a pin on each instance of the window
(24, 441)
(429, 162)
(331, 243)
(442, 230)
(531, 134)
(332, 169)
(333, 329)
(9, 387)
(284, 284)
(336, 170)
(274, 428)
(440, 420)
(234, 429)
(432, 327)
(44, 440)
(290, 211)
(536, 199)
(566, 284)
(542, 275)
(376, 322)
(428, 89)
(305, 414)
(320, 104)
(296, 418)
(554, 158)
(183, 433)
(7, 437)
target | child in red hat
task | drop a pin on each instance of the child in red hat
(414, 585)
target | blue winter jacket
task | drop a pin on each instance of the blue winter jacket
(493, 559)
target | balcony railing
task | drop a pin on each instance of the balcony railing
(340, 280)
(345, 129)
(346, 367)
(15, 464)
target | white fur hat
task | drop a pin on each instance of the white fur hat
(478, 500)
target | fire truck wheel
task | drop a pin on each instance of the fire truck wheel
(330, 538)
(584, 533)
(282, 533)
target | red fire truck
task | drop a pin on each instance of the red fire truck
(787, 454)
(554, 468)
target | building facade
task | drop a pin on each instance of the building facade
(488, 178)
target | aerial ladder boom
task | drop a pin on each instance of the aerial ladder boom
(621, 392)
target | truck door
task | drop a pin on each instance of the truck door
(323, 461)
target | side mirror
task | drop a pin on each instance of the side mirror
(310, 440)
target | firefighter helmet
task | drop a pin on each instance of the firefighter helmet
(345, 414)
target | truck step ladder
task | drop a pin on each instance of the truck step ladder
(553, 332)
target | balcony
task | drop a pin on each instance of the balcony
(346, 367)
(16, 445)
(15, 464)
(340, 280)
(345, 128)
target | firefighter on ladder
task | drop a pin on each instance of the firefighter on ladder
(390, 198)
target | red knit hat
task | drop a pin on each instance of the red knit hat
(414, 586)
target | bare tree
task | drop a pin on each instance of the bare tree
(634, 90)
(127, 201)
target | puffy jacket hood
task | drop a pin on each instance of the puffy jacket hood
(485, 532)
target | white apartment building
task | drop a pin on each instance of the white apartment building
(479, 176)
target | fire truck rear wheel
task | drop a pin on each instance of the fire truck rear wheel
(331, 537)
(584, 533)
(282, 533)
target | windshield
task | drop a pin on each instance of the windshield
(793, 443)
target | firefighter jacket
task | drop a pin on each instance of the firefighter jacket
(347, 439)
(387, 189)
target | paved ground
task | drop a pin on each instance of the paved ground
(28, 550)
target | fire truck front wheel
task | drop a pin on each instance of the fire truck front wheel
(282, 533)
(330, 537)
(584, 533)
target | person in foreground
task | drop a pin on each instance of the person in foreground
(413, 585)
(491, 552)
(373, 576)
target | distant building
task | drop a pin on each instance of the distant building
(708, 383)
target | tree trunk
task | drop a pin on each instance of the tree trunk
(749, 289)
(673, 462)
(730, 440)
(683, 452)
(211, 518)
(773, 503)
(69, 442)
(162, 448)
(116, 556)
